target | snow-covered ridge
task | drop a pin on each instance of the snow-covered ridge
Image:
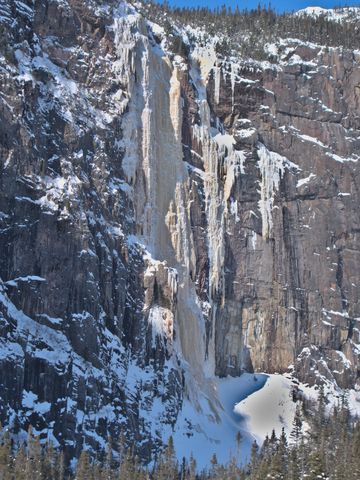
(342, 14)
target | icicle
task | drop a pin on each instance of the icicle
(232, 76)
(272, 166)
(217, 74)
(253, 240)
(175, 104)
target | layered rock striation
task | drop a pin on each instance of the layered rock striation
(166, 219)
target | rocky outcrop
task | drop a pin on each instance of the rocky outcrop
(166, 219)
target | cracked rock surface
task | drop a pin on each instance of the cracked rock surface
(167, 219)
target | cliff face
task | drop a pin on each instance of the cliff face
(167, 219)
(291, 236)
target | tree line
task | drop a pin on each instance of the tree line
(246, 32)
(329, 450)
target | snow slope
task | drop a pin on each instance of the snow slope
(254, 405)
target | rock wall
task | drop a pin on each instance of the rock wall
(166, 219)
(292, 245)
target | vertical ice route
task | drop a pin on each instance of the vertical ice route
(272, 168)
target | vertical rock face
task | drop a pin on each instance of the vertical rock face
(292, 240)
(87, 314)
(166, 219)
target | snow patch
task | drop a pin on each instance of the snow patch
(271, 407)
(272, 167)
(252, 404)
(304, 181)
(26, 279)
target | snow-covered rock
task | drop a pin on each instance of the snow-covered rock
(167, 223)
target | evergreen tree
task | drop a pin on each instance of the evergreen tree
(98, 473)
(302, 454)
(20, 464)
(294, 464)
(167, 467)
(238, 441)
(232, 471)
(108, 467)
(127, 465)
(297, 425)
(34, 464)
(278, 467)
(263, 469)
(214, 469)
(6, 459)
(254, 459)
(50, 463)
(61, 470)
(191, 472)
(320, 416)
(355, 452)
(83, 468)
(316, 466)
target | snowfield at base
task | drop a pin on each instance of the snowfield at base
(254, 405)
(268, 408)
(215, 428)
